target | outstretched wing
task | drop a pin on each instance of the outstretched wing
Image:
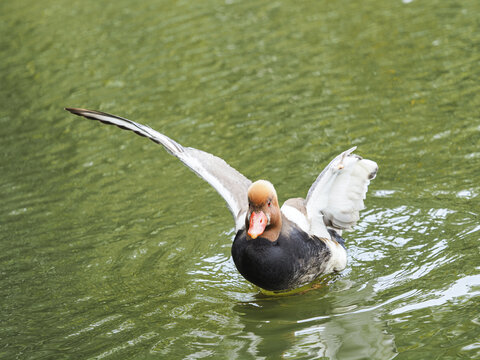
(336, 197)
(228, 182)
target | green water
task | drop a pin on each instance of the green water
(110, 248)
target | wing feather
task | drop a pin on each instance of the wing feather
(337, 195)
(228, 182)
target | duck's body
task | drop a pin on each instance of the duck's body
(293, 260)
(277, 248)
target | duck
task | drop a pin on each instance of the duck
(276, 248)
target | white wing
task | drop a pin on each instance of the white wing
(336, 197)
(228, 182)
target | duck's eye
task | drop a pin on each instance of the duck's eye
(269, 203)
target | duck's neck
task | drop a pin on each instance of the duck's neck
(272, 232)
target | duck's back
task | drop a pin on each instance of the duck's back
(293, 260)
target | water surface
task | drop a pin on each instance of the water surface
(110, 248)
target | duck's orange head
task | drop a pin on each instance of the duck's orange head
(263, 217)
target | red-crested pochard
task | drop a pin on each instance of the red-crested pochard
(277, 248)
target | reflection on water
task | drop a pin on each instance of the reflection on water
(357, 335)
(109, 248)
(347, 332)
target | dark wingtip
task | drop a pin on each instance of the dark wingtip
(89, 114)
(76, 111)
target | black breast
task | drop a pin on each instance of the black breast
(293, 260)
